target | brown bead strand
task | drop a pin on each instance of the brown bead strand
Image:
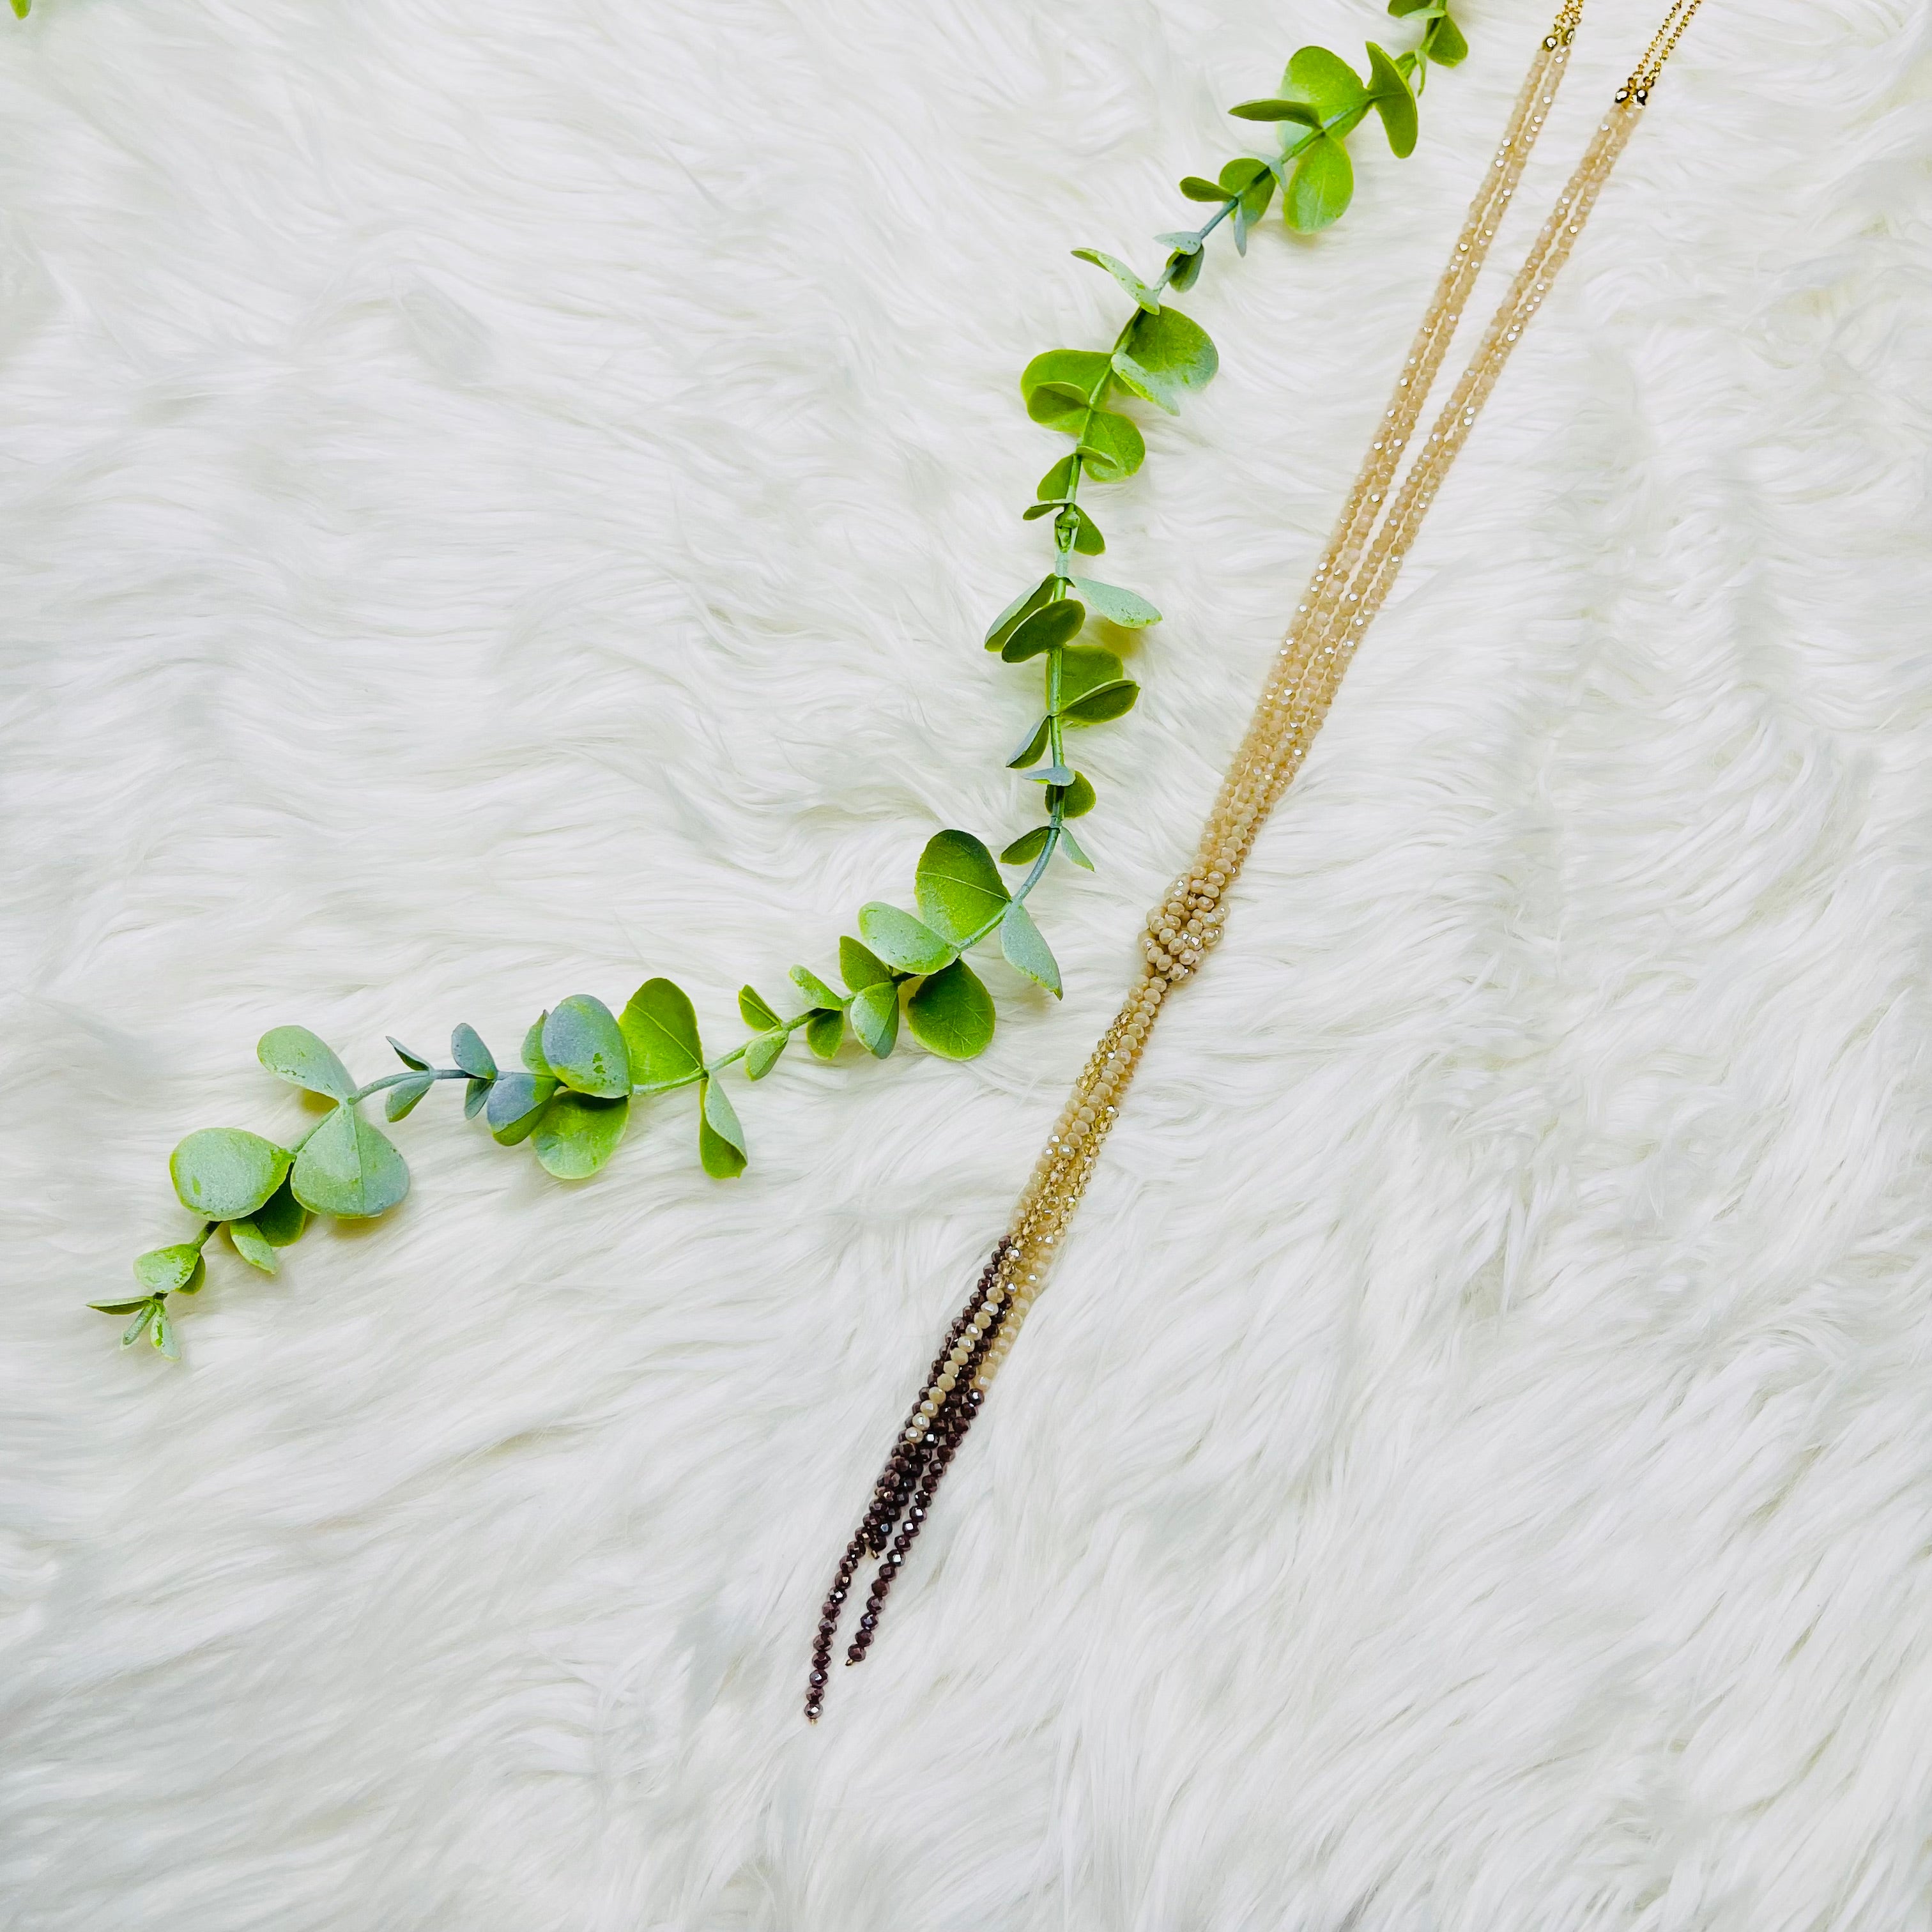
(904, 1484)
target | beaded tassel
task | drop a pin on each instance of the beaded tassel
(1358, 571)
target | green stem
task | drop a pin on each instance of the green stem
(362, 1093)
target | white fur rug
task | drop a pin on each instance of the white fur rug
(498, 502)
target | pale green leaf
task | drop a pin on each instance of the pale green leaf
(815, 989)
(349, 1168)
(1077, 799)
(1026, 950)
(824, 1031)
(1034, 747)
(1325, 82)
(1026, 848)
(1082, 370)
(121, 1307)
(515, 1105)
(755, 1010)
(1059, 406)
(534, 1061)
(1195, 189)
(1046, 630)
(875, 1014)
(1168, 356)
(400, 1099)
(1275, 109)
(224, 1173)
(247, 1240)
(859, 967)
(1105, 701)
(1127, 608)
(293, 1054)
(959, 889)
(952, 1013)
(1124, 275)
(1087, 538)
(475, 1097)
(1086, 668)
(1070, 846)
(579, 1132)
(1322, 187)
(585, 1049)
(1112, 444)
(720, 1140)
(138, 1327)
(467, 1050)
(1057, 485)
(1394, 101)
(409, 1059)
(1052, 774)
(281, 1219)
(162, 1271)
(660, 1030)
(900, 940)
(164, 1336)
(762, 1055)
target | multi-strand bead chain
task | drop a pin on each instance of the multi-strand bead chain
(1378, 524)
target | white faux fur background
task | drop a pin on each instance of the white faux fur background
(497, 502)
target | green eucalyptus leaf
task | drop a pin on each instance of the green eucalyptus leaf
(1186, 272)
(1148, 298)
(1085, 667)
(1046, 630)
(1020, 608)
(1076, 800)
(1057, 484)
(1059, 406)
(1322, 187)
(247, 1242)
(164, 1336)
(281, 1219)
(1034, 747)
(1126, 608)
(138, 1327)
(122, 1307)
(1074, 524)
(1026, 951)
(1195, 189)
(1081, 370)
(1070, 846)
(900, 940)
(660, 1030)
(859, 967)
(815, 989)
(720, 1140)
(1105, 701)
(755, 1010)
(1034, 510)
(515, 1105)
(1052, 774)
(1325, 82)
(467, 1050)
(1394, 102)
(579, 1132)
(1026, 848)
(1112, 444)
(224, 1173)
(409, 1059)
(349, 1168)
(875, 1014)
(960, 892)
(399, 1100)
(1167, 357)
(293, 1054)
(1183, 241)
(162, 1271)
(1444, 43)
(762, 1055)
(824, 1031)
(533, 1052)
(1275, 110)
(585, 1049)
(475, 1097)
(952, 1013)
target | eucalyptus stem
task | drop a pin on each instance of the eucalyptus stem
(583, 1067)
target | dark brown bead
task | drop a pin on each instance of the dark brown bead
(857, 1651)
(868, 1621)
(828, 1624)
(817, 1678)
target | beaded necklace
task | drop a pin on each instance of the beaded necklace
(1378, 524)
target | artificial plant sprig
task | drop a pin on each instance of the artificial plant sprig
(584, 1069)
